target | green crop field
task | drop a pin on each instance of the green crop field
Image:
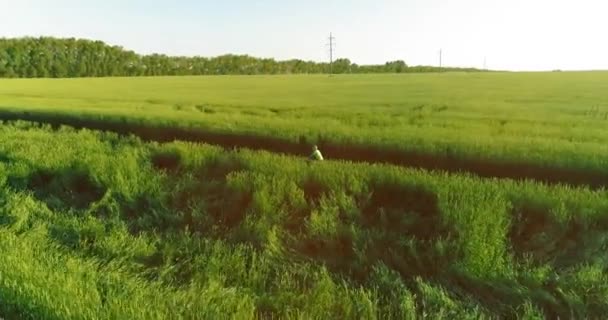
(493, 124)
(454, 195)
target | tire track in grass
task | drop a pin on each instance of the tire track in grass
(355, 153)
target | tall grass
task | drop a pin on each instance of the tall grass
(97, 226)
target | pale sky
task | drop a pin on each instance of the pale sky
(510, 34)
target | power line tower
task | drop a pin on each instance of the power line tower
(332, 45)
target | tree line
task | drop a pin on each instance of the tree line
(48, 57)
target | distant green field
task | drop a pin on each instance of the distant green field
(98, 225)
(543, 120)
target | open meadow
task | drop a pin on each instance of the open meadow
(543, 126)
(453, 195)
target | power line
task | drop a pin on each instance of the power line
(332, 45)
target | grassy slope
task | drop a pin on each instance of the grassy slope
(98, 226)
(547, 119)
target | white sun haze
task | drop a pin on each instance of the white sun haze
(508, 35)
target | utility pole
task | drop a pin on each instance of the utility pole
(331, 52)
(440, 57)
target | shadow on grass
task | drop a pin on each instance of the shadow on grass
(65, 189)
(398, 226)
(538, 235)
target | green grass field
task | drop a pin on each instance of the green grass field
(500, 124)
(105, 226)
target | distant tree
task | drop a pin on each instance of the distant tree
(396, 66)
(342, 66)
(58, 58)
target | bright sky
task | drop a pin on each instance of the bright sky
(510, 34)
